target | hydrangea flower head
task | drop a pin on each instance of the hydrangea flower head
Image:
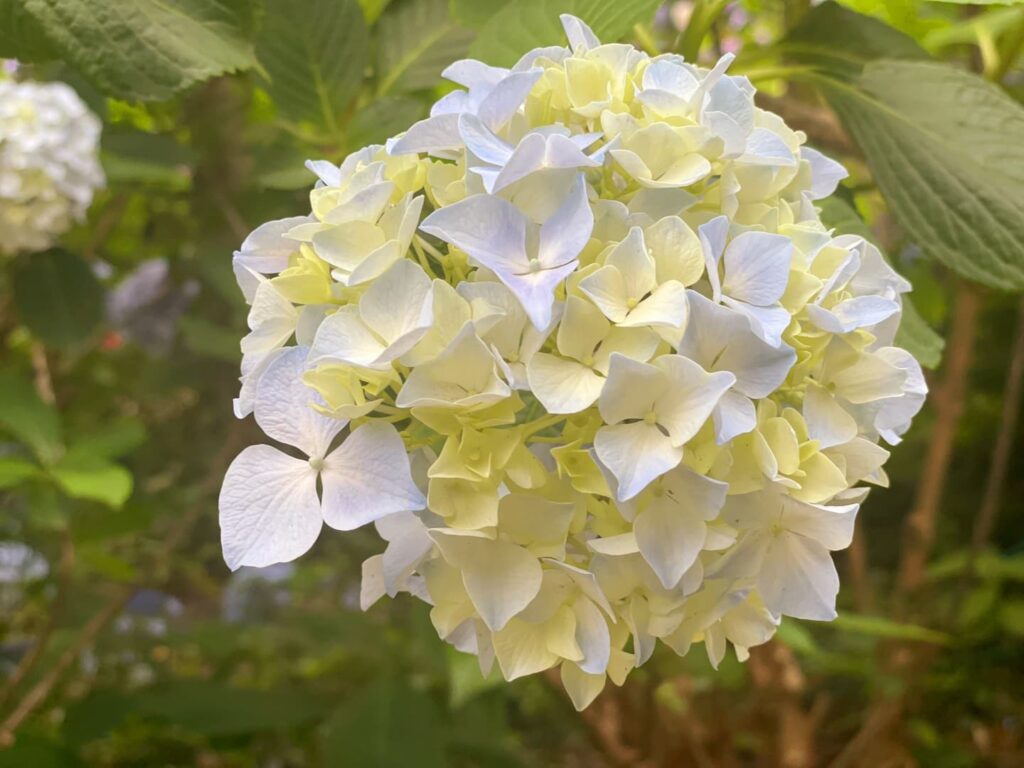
(580, 348)
(49, 163)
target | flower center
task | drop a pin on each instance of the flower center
(651, 418)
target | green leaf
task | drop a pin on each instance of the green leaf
(314, 57)
(381, 119)
(110, 567)
(213, 709)
(38, 752)
(842, 41)
(149, 49)
(878, 626)
(418, 40)
(521, 26)
(14, 471)
(372, 9)
(82, 476)
(980, 2)
(918, 338)
(116, 439)
(387, 725)
(146, 158)
(27, 418)
(1011, 616)
(474, 14)
(944, 147)
(21, 37)
(209, 340)
(914, 334)
(58, 297)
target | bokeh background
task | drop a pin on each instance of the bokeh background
(125, 641)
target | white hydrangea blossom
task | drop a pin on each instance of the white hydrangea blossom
(605, 376)
(49, 163)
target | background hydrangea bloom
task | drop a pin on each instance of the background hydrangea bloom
(616, 381)
(49, 163)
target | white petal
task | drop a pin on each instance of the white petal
(691, 396)
(592, 636)
(272, 319)
(670, 537)
(858, 312)
(398, 306)
(666, 307)
(827, 421)
(636, 454)
(757, 267)
(521, 649)
(284, 406)
(269, 511)
(767, 323)
(564, 235)
(505, 98)
(344, 337)
(632, 389)
(581, 686)
(435, 133)
(826, 173)
(721, 340)
(488, 228)
(581, 37)
(561, 385)
(501, 578)
(798, 578)
(733, 415)
(606, 287)
(368, 477)
(830, 526)
(371, 588)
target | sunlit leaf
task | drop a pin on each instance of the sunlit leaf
(27, 418)
(83, 476)
(14, 471)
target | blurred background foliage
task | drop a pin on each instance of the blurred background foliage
(125, 641)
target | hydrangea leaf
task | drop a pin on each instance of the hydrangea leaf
(146, 49)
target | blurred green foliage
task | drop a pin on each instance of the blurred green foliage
(123, 638)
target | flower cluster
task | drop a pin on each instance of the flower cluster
(49, 165)
(602, 375)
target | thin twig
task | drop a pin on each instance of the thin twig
(860, 572)
(28, 662)
(41, 690)
(41, 374)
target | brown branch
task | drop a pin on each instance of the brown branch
(860, 573)
(1001, 452)
(879, 721)
(948, 403)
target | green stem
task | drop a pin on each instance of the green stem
(705, 13)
